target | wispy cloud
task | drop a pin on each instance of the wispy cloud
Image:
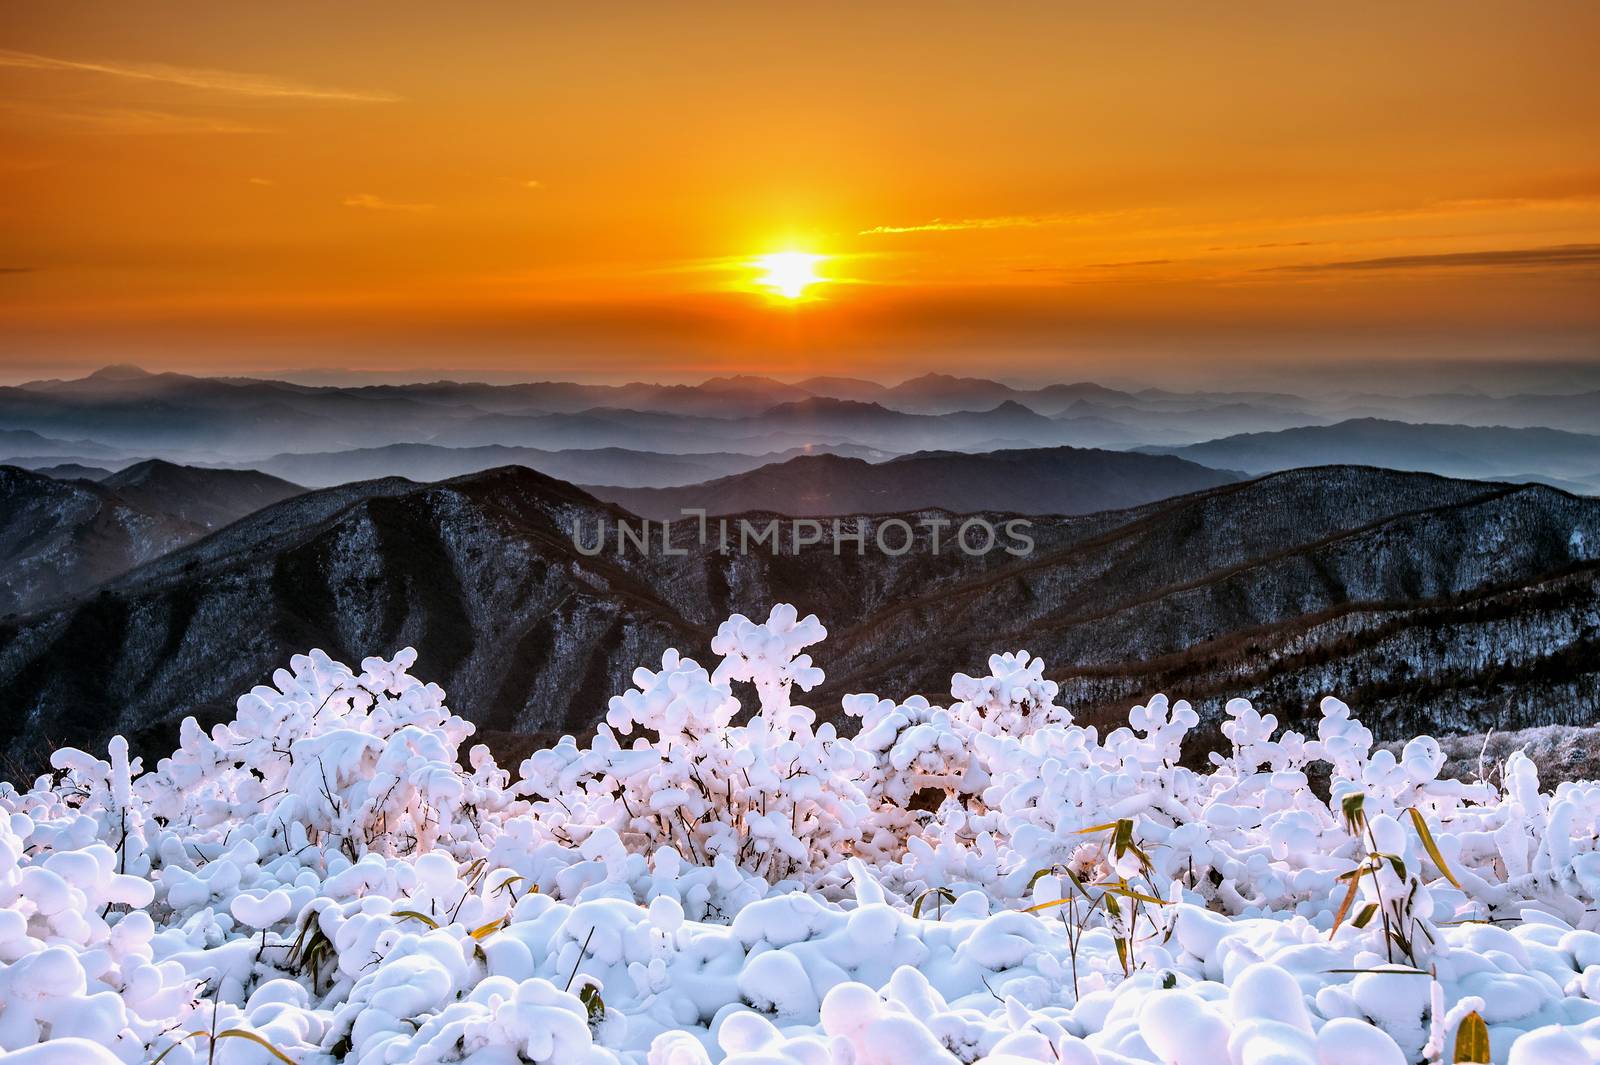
(222, 81)
(1009, 221)
(1130, 262)
(1074, 268)
(127, 120)
(1559, 255)
(368, 202)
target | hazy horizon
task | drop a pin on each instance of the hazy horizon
(1400, 378)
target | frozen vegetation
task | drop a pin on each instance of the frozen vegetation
(715, 878)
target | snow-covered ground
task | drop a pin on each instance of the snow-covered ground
(708, 880)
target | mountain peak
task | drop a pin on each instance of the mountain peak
(829, 404)
(1011, 406)
(120, 371)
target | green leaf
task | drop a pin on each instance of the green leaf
(1353, 807)
(1364, 918)
(593, 1003)
(1122, 838)
(1038, 873)
(1428, 844)
(1472, 1040)
(508, 881)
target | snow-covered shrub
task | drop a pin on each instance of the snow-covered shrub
(772, 797)
(707, 881)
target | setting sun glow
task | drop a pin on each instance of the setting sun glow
(788, 273)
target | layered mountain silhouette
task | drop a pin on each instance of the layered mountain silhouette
(59, 537)
(1037, 481)
(1428, 603)
(611, 465)
(74, 471)
(25, 443)
(1450, 450)
(122, 414)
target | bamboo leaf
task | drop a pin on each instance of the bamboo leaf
(239, 1033)
(1353, 807)
(1128, 892)
(180, 1041)
(508, 881)
(1122, 838)
(488, 929)
(938, 892)
(1344, 907)
(1472, 1040)
(1364, 918)
(1036, 907)
(1428, 844)
(415, 916)
(1037, 873)
(593, 1003)
(229, 1033)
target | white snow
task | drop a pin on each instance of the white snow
(715, 879)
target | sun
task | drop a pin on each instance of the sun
(788, 273)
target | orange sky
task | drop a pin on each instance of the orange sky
(1039, 191)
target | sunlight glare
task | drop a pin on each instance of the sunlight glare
(788, 273)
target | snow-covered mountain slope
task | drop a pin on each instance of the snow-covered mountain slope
(710, 875)
(1431, 603)
(59, 538)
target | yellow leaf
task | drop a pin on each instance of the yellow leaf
(1472, 1040)
(1344, 907)
(1431, 847)
(414, 915)
(180, 1041)
(1119, 889)
(488, 929)
(238, 1033)
(1044, 905)
(230, 1033)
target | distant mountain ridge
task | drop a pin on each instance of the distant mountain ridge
(122, 414)
(1037, 481)
(1484, 452)
(624, 466)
